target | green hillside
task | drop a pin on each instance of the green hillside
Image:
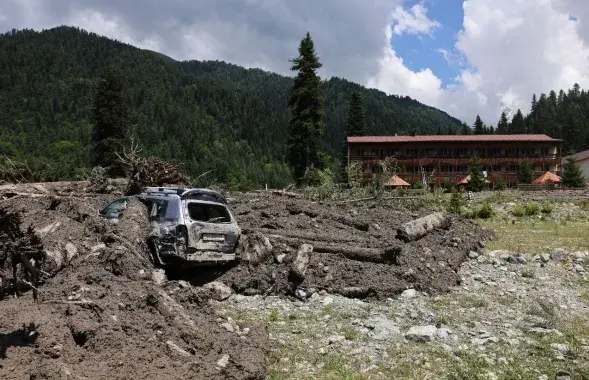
(211, 115)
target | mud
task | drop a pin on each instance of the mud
(101, 316)
(428, 264)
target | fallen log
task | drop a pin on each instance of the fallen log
(303, 235)
(284, 193)
(351, 222)
(299, 266)
(375, 255)
(418, 228)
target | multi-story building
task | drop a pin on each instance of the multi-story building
(445, 160)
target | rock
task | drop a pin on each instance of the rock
(502, 361)
(217, 290)
(559, 254)
(174, 347)
(421, 333)
(543, 377)
(223, 361)
(382, 328)
(280, 258)
(71, 251)
(473, 254)
(256, 248)
(97, 248)
(563, 375)
(521, 260)
(327, 301)
(560, 347)
(300, 294)
(478, 277)
(578, 268)
(228, 326)
(409, 293)
(184, 284)
(158, 276)
(481, 259)
(442, 333)
(545, 257)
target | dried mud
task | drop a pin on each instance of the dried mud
(429, 264)
(101, 316)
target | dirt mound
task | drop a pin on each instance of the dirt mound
(102, 314)
(357, 249)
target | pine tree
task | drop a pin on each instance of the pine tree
(439, 133)
(479, 127)
(518, 123)
(356, 125)
(572, 176)
(477, 180)
(525, 173)
(503, 124)
(306, 101)
(465, 129)
(111, 120)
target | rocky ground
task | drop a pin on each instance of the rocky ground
(512, 317)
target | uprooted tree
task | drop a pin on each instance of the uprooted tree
(148, 171)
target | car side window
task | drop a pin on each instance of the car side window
(114, 209)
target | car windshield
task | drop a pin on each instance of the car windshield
(208, 212)
(164, 210)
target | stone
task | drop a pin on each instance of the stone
(502, 361)
(563, 375)
(560, 347)
(478, 277)
(382, 328)
(559, 254)
(174, 347)
(473, 254)
(578, 268)
(301, 294)
(521, 260)
(217, 290)
(158, 276)
(409, 293)
(481, 259)
(97, 248)
(184, 284)
(223, 361)
(71, 251)
(545, 257)
(228, 326)
(543, 377)
(327, 301)
(442, 333)
(422, 333)
(280, 258)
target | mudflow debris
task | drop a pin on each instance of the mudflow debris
(105, 311)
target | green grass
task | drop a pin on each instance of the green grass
(527, 236)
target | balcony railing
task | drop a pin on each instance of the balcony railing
(356, 157)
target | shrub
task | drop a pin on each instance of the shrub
(547, 209)
(532, 208)
(519, 210)
(417, 185)
(500, 185)
(486, 211)
(456, 202)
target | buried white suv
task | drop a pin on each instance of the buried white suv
(189, 226)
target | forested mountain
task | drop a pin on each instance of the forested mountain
(211, 115)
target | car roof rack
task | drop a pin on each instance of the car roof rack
(188, 193)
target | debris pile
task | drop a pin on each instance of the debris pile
(101, 313)
(294, 247)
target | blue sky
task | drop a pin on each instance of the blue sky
(422, 51)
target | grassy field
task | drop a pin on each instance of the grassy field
(527, 236)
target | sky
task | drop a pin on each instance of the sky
(468, 58)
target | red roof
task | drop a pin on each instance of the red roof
(466, 180)
(450, 138)
(548, 177)
(578, 156)
(395, 181)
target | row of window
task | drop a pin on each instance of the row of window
(390, 152)
(459, 168)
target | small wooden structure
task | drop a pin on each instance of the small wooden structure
(547, 177)
(396, 181)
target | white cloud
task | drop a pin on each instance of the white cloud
(413, 21)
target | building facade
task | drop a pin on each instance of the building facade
(445, 160)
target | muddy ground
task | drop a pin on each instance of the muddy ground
(106, 312)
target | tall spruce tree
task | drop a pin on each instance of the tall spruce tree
(518, 123)
(503, 125)
(356, 125)
(525, 173)
(465, 129)
(306, 102)
(572, 175)
(477, 180)
(110, 120)
(479, 126)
